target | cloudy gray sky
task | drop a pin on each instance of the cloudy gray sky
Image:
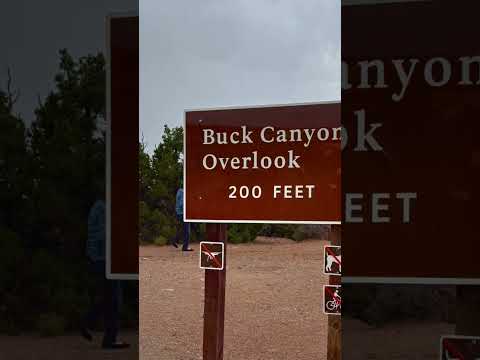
(214, 53)
(34, 32)
(193, 54)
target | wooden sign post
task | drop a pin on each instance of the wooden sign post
(214, 310)
(264, 164)
(334, 341)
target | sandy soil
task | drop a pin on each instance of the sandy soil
(401, 341)
(273, 302)
(64, 348)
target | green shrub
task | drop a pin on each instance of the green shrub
(278, 230)
(50, 324)
(299, 234)
(13, 264)
(168, 231)
(198, 232)
(160, 240)
(243, 233)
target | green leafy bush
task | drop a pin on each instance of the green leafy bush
(51, 324)
(160, 240)
(278, 230)
(299, 234)
(49, 180)
(243, 233)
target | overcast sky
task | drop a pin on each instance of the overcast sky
(32, 33)
(214, 53)
(193, 54)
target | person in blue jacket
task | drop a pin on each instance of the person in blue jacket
(184, 225)
(108, 292)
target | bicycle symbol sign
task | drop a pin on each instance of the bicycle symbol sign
(332, 299)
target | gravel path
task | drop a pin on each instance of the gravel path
(409, 340)
(71, 347)
(273, 304)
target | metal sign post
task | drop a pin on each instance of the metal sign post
(214, 310)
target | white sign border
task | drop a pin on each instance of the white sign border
(378, 2)
(409, 280)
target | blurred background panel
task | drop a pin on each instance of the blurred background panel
(411, 70)
(52, 172)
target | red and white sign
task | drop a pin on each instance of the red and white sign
(332, 299)
(263, 164)
(212, 255)
(332, 257)
(454, 347)
(409, 181)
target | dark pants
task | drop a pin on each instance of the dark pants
(184, 227)
(106, 302)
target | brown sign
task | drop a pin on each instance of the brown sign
(263, 164)
(212, 255)
(410, 203)
(122, 147)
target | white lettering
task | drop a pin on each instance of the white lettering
(208, 137)
(403, 76)
(262, 134)
(213, 160)
(377, 207)
(446, 72)
(351, 207)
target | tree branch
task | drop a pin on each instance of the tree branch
(12, 95)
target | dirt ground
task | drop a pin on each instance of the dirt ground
(273, 302)
(273, 311)
(71, 347)
(401, 341)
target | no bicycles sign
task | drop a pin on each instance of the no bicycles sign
(263, 164)
(332, 299)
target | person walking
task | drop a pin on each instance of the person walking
(184, 226)
(108, 292)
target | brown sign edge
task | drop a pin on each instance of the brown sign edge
(108, 263)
